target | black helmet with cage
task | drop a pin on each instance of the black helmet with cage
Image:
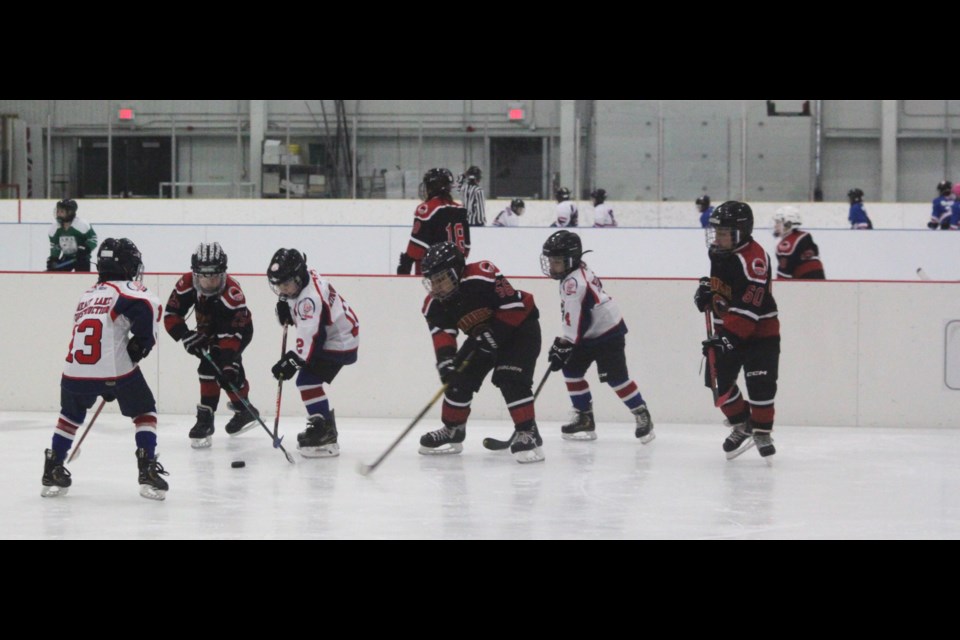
(442, 268)
(287, 265)
(731, 227)
(119, 259)
(561, 254)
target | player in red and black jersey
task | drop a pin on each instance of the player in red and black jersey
(437, 219)
(798, 257)
(502, 326)
(225, 327)
(746, 327)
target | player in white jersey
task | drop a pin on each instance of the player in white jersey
(510, 217)
(102, 362)
(602, 212)
(592, 331)
(327, 333)
(567, 213)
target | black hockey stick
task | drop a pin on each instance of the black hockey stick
(922, 274)
(276, 443)
(367, 469)
(499, 445)
(276, 421)
(76, 450)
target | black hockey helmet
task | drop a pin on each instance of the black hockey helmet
(855, 195)
(437, 181)
(517, 206)
(65, 211)
(473, 174)
(703, 203)
(734, 217)
(945, 187)
(442, 267)
(562, 244)
(209, 260)
(563, 194)
(119, 259)
(599, 196)
(287, 265)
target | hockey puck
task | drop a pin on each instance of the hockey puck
(238, 464)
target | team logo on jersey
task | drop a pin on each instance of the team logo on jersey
(135, 286)
(759, 267)
(570, 286)
(236, 294)
(784, 246)
(306, 308)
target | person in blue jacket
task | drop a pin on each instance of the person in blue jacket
(858, 215)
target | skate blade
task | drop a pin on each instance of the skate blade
(443, 449)
(743, 448)
(152, 493)
(579, 435)
(53, 492)
(326, 451)
(200, 443)
(530, 455)
(246, 427)
(650, 437)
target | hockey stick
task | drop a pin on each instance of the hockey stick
(76, 450)
(499, 445)
(718, 399)
(367, 469)
(922, 274)
(276, 443)
(276, 420)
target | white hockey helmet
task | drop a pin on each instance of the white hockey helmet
(784, 219)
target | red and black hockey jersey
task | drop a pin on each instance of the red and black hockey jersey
(485, 297)
(798, 257)
(438, 220)
(223, 317)
(742, 279)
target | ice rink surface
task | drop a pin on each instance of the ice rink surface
(823, 483)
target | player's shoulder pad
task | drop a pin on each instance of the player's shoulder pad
(184, 284)
(483, 270)
(81, 225)
(232, 295)
(573, 283)
(756, 263)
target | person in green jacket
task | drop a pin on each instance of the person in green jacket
(72, 240)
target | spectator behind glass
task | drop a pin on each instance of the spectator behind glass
(944, 206)
(703, 206)
(858, 216)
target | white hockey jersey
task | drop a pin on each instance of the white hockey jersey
(603, 216)
(566, 214)
(588, 313)
(106, 314)
(327, 328)
(507, 218)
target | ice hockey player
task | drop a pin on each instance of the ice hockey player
(567, 213)
(592, 330)
(746, 327)
(703, 206)
(502, 330)
(944, 206)
(798, 257)
(224, 328)
(326, 339)
(437, 219)
(602, 212)
(103, 362)
(72, 239)
(858, 217)
(510, 216)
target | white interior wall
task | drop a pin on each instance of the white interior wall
(869, 354)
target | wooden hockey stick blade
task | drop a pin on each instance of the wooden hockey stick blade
(496, 445)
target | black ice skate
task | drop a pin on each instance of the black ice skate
(644, 429)
(764, 443)
(319, 440)
(56, 479)
(243, 419)
(201, 432)
(739, 440)
(581, 428)
(444, 440)
(526, 446)
(152, 486)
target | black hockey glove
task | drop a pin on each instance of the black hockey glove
(135, 350)
(486, 344)
(721, 344)
(704, 296)
(932, 225)
(52, 263)
(559, 354)
(195, 343)
(283, 313)
(288, 366)
(406, 265)
(229, 369)
(448, 371)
